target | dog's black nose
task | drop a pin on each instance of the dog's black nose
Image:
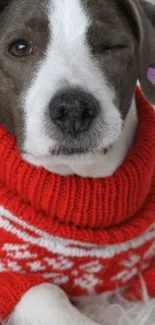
(73, 111)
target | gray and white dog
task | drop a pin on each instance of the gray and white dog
(68, 71)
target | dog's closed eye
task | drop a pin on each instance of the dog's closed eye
(104, 48)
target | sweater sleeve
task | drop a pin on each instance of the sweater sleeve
(12, 287)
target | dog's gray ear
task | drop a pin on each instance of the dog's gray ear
(149, 9)
(147, 51)
(145, 13)
(142, 15)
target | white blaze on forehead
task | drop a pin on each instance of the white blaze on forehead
(68, 62)
(68, 23)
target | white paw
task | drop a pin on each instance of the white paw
(47, 305)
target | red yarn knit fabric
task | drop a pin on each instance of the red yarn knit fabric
(85, 235)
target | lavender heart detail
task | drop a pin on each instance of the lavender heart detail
(151, 75)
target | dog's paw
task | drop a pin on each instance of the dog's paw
(47, 305)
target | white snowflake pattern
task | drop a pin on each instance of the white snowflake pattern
(131, 261)
(150, 252)
(59, 263)
(92, 267)
(2, 267)
(18, 251)
(36, 266)
(125, 275)
(57, 278)
(13, 266)
(87, 281)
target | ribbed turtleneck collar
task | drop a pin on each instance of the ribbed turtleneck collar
(84, 203)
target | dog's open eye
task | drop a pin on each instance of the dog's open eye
(20, 48)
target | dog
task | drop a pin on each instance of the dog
(68, 71)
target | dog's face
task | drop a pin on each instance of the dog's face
(68, 70)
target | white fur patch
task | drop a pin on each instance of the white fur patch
(113, 309)
(68, 62)
(46, 304)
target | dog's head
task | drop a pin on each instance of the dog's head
(68, 70)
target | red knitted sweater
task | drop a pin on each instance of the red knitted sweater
(86, 235)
